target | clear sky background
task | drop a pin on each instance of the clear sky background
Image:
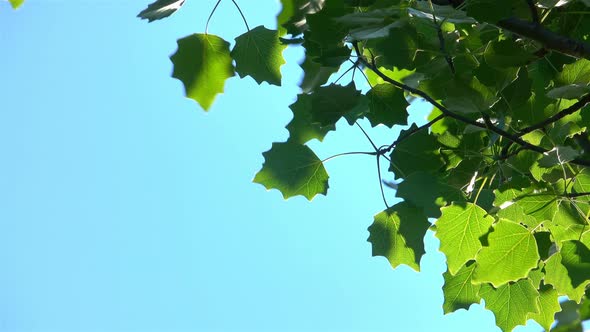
(125, 207)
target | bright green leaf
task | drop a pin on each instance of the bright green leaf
(202, 63)
(458, 290)
(459, 229)
(258, 53)
(397, 234)
(557, 275)
(511, 303)
(510, 255)
(293, 169)
(548, 306)
(17, 3)
(575, 257)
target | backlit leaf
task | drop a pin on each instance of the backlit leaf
(459, 230)
(510, 255)
(258, 53)
(459, 292)
(16, 3)
(557, 275)
(575, 257)
(397, 234)
(511, 303)
(203, 63)
(293, 169)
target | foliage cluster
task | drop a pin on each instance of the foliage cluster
(501, 166)
(500, 172)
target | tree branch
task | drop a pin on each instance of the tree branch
(548, 38)
(570, 110)
(489, 126)
(409, 133)
(534, 12)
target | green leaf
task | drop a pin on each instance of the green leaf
(418, 152)
(434, 193)
(155, 11)
(470, 97)
(557, 275)
(314, 75)
(570, 91)
(575, 73)
(519, 91)
(459, 229)
(582, 181)
(573, 81)
(511, 254)
(548, 306)
(293, 169)
(16, 3)
(400, 48)
(575, 257)
(458, 290)
(302, 128)
(511, 303)
(258, 53)
(330, 103)
(397, 234)
(559, 155)
(506, 53)
(202, 63)
(490, 11)
(387, 106)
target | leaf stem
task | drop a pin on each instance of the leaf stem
(347, 154)
(210, 16)
(241, 14)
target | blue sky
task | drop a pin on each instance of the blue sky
(125, 207)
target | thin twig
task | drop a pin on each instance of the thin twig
(367, 136)
(534, 12)
(211, 15)
(241, 14)
(441, 40)
(570, 110)
(409, 133)
(347, 154)
(381, 183)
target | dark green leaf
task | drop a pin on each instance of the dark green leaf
(387, 106)
(302, 128)
(434, 193)
(330, 103)
(419, 152)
